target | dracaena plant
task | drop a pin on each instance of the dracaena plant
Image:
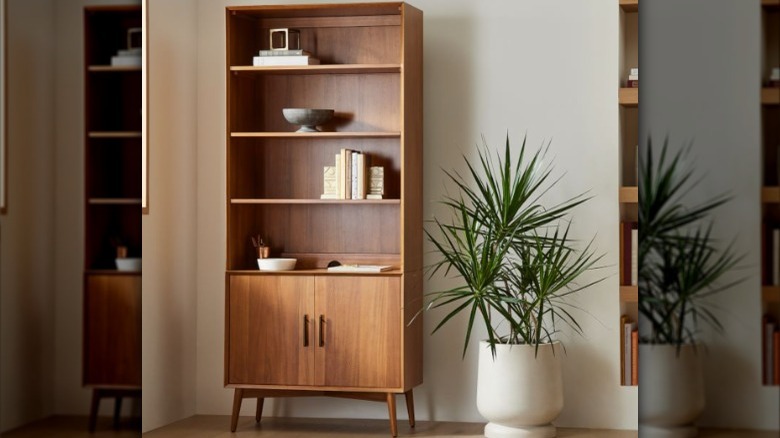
(513, 256)
(680, 263)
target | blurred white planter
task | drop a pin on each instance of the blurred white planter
(520, 394)
(671, 391)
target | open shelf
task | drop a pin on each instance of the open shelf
(628, 195)
(318, 69)
(629, 5)
(112, 68)
(393, 272)
(317, 201)
(114, 134)
(315, 135)
(114, 201)
(111, 272)
(629, 294)
(628, 96)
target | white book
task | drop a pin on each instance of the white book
(633, 77)
(634, 71)
(260, 61)
(776, 256)
(627, 329)
(354, 175)
(126, 61)
(361, 178)
(339, 171)
(360, 268)
(634, 256)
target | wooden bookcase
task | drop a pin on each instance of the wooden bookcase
(112, 123)
(770, 190)
(307, 331)
(628, 103)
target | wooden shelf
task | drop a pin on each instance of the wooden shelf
(770, 3)
(628, 195)
(770, 96)
(114, 134)
(318, 69)
(770, 194)
(629, 5)
(770, 294)
(393, 272)
(628, 96)
(317, 201)
(110, 272)
(629, 294)
(111, 68)
(114, 201)
(315, 134)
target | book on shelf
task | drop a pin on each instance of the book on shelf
(360, 268)
(632, 83)
(351, 174)
(628, 328)
(768, 351)
(629, 236)
(623, 321)
(293, 52)
(261, 61)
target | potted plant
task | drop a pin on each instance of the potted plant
(516, 264)
(679, 266)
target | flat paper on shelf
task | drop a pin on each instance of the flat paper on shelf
(360, 268)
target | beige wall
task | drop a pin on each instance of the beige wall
(546, 68)
(169, 231)
(27, 238)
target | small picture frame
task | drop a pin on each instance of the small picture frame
(285, 39)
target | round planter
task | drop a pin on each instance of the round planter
(671, 397)
(520, 393)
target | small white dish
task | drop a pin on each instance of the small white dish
(128, 264)
(276, 264)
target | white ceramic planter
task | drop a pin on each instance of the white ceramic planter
(671, 394)
(520, 394)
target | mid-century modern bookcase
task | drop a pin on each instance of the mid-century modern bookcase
(112, 210)
(310, 332)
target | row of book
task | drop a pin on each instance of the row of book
(284, 57)
(350, 178)
(629, 263)
(629, 352)
(770, 351)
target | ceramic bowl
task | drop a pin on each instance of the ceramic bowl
(129, 264)
(276, 264)
(307, 118)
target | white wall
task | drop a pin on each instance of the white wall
(701, 77)
(27, 239)
(545, 68)
(169, 231)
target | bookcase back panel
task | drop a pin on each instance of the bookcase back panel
(293, 168)
(114, 101)
(113, 168)
(107, 225)
(629, 139)
(362, 103)
(771, 141)
(331, 230)
(332, 40)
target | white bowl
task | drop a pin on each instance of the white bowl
(277, 264)
(129, 264)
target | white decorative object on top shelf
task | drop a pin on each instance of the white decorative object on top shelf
(284, 39)
(276, 264)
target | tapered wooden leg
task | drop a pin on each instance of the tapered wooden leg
(410, 406)
(93, 410)
(237, 397)
(391, 411)
(259, 413)
(117, 411)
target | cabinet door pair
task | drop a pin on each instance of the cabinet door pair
(319, 331)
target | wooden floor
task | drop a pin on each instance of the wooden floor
(217, 426)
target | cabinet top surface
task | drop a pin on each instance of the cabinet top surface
(394, 272)
(319, 10)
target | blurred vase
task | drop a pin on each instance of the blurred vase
(671, 390)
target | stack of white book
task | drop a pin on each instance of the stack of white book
(633, 78)
(284, 57)
(127, 58)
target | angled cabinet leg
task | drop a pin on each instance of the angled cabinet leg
(237, 398)
(259, 412)
(117, 411)
(391, 412)
(410, 406)
(93, 410)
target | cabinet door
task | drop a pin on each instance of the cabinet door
(112, 330)
(266, 330)
(359, 338)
